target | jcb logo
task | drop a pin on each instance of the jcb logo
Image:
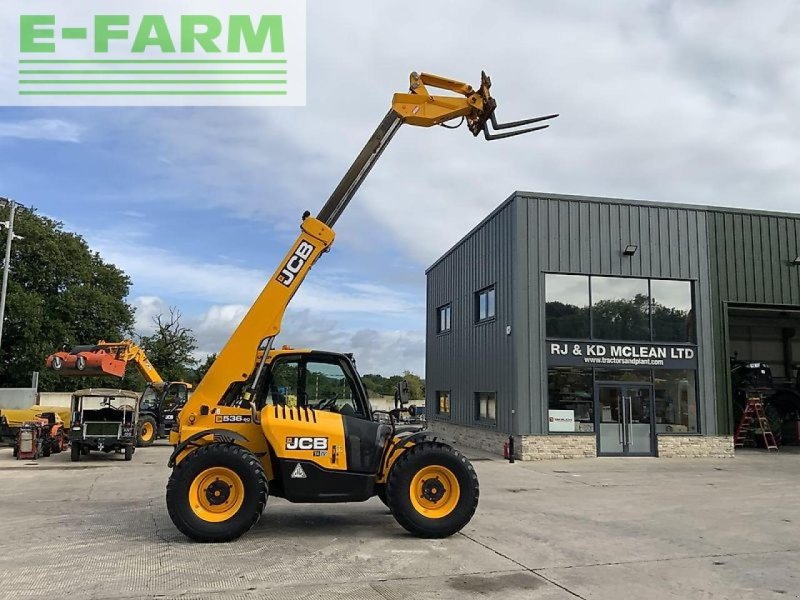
(306, 443)
(296, 261)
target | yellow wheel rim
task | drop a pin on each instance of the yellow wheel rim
(147, 431)
(216, 494)
(434, 491)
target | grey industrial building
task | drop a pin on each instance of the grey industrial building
(594, 326)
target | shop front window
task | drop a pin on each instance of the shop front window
(620, 309)
(673, 314)
(570, 400)
(567, 306)
(676, 401)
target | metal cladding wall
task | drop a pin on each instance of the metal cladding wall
(571, 234)
(751, 255)
(472, 357)
(733, 256)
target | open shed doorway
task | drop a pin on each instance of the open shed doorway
(764, 343)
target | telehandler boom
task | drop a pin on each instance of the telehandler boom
(297, 424)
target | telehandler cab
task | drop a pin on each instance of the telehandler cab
(297, 424)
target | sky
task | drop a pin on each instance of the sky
(677, 101)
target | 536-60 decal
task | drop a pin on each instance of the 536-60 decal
(233, 419)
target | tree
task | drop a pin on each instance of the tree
(416, 386)
(203, 368)
(170, 348)
(59, 292)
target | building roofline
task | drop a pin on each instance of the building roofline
(655, 204)
(605, 200)
(470, 233)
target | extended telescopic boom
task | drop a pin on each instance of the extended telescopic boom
(254, 336)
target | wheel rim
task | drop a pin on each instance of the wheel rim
(147, 431)
(216, 494)
(434, 491)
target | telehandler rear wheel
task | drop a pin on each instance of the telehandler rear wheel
(217, 493)
(432, 490)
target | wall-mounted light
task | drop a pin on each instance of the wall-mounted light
(630, 250)
(796, 262)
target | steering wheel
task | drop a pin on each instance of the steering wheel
(327, 403)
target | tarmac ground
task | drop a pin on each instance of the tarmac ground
(605, 528)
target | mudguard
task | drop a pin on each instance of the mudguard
(225, 436)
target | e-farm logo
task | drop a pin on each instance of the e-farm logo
(148, 52)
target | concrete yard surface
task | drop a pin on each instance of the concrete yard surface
(596, 529)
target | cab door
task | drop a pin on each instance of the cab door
(175, 396)
(318, 424)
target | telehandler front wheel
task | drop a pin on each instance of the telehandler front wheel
(146, 431)
(217, 493)
(432, 490)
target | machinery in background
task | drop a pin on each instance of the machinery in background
(161, 400)
(103, 420)
(11, 419)
(41, 436)
(30, 443)
(237, 441)
(780, 399)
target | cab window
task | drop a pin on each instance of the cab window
(327, 387)
(175, 399)
(283, 383)
(149, 399)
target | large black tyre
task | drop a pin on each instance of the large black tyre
(75, 452)
(381, 494)
(444, 502)
(146, 431)
(46, 448)
(192, 493)
(129, 452)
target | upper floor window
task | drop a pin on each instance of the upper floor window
(619, 309)
(567, 306)
(443, 318)
(485, 304)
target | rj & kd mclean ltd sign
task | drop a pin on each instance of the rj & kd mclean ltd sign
(149, 52)
(593, 354)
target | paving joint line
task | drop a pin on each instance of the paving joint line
(522, 566)
(274, 586)
(670, 558)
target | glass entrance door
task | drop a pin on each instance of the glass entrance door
(625, 419)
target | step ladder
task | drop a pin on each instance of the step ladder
(754, 414)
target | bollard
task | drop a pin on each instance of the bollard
(511, 449)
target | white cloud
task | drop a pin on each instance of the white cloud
(153, 268)
(147, 309)
(387, 352)
(663, 101)
(54, 130)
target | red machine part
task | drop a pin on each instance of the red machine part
(28, 444)
(90, 362)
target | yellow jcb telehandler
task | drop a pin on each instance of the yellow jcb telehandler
(297, 424)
